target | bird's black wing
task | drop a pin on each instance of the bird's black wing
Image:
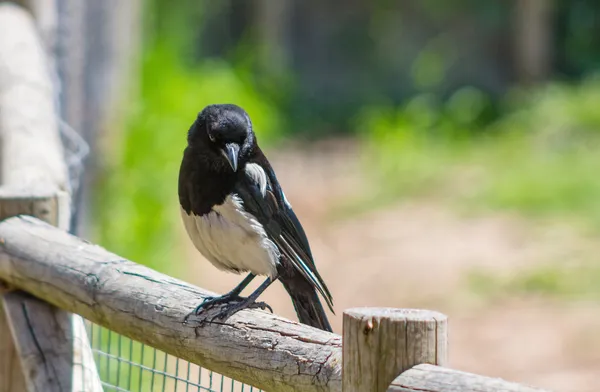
(262, 196)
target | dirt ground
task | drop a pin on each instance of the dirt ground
(418, 255)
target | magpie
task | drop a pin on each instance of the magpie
(238, 217)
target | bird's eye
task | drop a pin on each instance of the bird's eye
(211, 137)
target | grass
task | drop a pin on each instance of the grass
(539, 160)
(556, 281)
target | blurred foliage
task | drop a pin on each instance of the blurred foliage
(539, 158)
(577, 35)
(435, 116)
(372, 52)
(546, 160)
(554, 280)
(334, 65)
(137, 206)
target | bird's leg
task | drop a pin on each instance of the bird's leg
(247, 303)
(234, 294)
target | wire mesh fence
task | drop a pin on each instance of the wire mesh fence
(127, 365)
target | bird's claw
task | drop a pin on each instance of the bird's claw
(211, 302)
(231, 306)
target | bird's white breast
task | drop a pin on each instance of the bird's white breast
(232, 239)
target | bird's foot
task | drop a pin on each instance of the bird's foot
(210, 302)
(230, 306)
(233, 307)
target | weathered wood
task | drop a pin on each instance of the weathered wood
(31, 153)
(380, 343)
(254, 347)
(49, 205)
(11, 374)
(438, 379)
(35, 182)
(50, 350)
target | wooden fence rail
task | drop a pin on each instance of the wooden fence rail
(252, 346)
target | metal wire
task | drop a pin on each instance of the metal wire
(143, 368)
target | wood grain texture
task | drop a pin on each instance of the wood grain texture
(31, 148)
(438, 379)
(50, 351)
(380, 343)
(41, 341)
(11, 374)
(45, 203)
(254, 347)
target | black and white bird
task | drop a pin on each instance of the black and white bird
(238, 217)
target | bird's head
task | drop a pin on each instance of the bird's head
(225, 131)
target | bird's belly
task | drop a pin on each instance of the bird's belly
(232, 239)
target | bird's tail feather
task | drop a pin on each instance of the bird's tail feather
(306, 302)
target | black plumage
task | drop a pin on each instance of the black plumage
(238, 217)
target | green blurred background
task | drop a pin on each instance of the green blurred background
(442, 154)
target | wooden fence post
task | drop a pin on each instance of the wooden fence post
(50, 344)
(381, 343)
(11, 374)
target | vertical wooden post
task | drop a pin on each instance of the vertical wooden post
(11, 374)
(50, 344)
(381, 343)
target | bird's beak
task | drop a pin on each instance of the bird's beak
(231, 152)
